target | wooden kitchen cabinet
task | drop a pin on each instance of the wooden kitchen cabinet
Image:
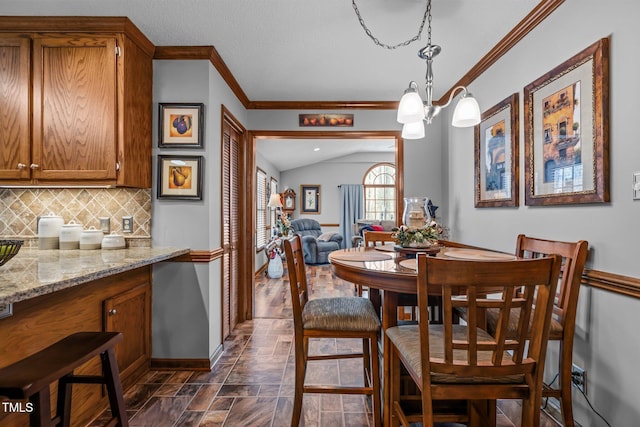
(89, 84)
(45, 319)
(130, 313)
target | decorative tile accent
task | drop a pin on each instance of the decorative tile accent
(20, 208)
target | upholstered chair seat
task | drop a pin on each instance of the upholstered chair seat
(340, 314)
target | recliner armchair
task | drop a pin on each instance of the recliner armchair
(316, 246)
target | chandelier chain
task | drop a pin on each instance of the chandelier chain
(427, 13)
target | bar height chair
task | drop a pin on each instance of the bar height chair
(463, 362)
(338, 317)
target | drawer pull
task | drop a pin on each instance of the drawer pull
(113, 312)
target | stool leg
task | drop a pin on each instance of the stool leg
(63, 407)
(114, 387)
(41, 414)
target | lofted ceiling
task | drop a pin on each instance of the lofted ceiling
(302, 50)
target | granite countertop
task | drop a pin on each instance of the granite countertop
(34, 272)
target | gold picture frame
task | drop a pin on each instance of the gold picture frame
(566, 118)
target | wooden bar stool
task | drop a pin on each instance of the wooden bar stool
(30, 378)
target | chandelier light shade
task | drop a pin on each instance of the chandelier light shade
(412, 110)
(413, 130)
(467, 112)
(274, 201)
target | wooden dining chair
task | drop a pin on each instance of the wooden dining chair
(378, 238)
(464, 362)
(372, 239)
(337, 317)
(563, 320)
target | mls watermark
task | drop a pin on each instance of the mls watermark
(17, 407)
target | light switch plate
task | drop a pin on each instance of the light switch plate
(105, 224)
(127, 224)
(636, 186)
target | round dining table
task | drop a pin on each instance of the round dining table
(390, 276)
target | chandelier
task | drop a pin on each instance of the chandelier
(412, 111)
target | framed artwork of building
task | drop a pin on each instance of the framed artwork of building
(566, 119)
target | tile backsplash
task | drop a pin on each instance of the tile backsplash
(20, 208)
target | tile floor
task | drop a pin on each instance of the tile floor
(252, 384)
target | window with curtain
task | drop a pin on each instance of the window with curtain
(261, 209)
(380, 192)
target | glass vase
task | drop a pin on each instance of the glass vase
(416, 214)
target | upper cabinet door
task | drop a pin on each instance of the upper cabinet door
(74, 108)
(15, 130)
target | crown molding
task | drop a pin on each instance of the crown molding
(524, 27)
(538, 14)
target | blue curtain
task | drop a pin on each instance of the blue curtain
(351, 209)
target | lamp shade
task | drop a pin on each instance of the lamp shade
(414, 130)
(274, 201)
(467, 112)
(411, 108)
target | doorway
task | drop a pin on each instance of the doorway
(250, 182)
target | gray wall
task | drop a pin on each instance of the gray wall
(607, 345)
(329, 174)
(187, 297)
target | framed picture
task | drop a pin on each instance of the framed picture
(496, 155)
(325, 120)
(310, 200)
(180, 177)
(181, 125)
(566, 115)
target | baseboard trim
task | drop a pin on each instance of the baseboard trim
(180, 364)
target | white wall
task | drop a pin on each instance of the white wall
(607, 345)
(272, 172)
(186, 309)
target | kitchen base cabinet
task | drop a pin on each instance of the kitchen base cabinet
(41, 321)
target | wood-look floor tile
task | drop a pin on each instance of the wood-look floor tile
(188, 390)
(269, 390)
(251, 411)
(263, 370)
(282, 416)
(356, 419)
(137, 396)
(203, 398)
(179, 377)
(332, 419)
(331, 403)
(235, 390)
(190, 419)
(217, 375)
(213, 419)
(160, 412)
(167, 390)
(221, 404)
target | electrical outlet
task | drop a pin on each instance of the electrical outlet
(127, 224)
(579, 378)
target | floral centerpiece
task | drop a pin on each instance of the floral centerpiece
(419, 237)
(284, 225)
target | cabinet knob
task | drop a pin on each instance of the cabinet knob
(21, 166)
(113, 312)
(34, 166)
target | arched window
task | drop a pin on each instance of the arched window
(380, 192)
